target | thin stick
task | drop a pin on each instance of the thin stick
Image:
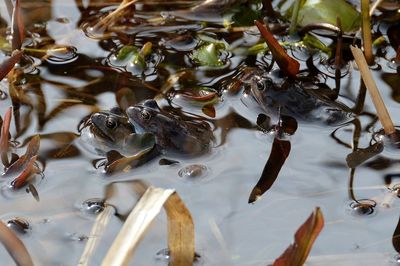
(95, 235)
(114, 14)
(380, 107)
(366, 32)
(374, 6)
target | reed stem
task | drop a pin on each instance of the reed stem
(366, 32)
(380, 107)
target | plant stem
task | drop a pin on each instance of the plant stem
(380, 107)
(366, 32)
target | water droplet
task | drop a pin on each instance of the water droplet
(19, 225)
(362, 207)
(163, 255)
(62, 55)
(93, 206)
(193, 171)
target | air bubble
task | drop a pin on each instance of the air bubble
(93, 206)
(362, 207)
(193, 171)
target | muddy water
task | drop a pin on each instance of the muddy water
(229, 231)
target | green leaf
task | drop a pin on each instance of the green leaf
(126, 51)
(208, 54)
(317, 11)
(313, 42)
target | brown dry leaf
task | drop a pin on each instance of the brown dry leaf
(14, 246)
(209, 110)
(296, 254)
(287, 64)
(180, 224)
(180, 232)
(4, 144)
(279, 152)
(9, 64)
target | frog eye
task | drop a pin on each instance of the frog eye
(111, 123)
(145, 115)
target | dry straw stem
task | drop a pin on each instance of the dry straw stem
(109, 19)
(95, 235)
(180, 228)
(380, 107)
(366, 31)
(14, 246)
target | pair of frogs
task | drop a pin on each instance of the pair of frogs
(145, 126)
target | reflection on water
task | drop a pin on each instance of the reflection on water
(71, 70)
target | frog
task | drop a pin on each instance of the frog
(173, 134)
(105, 131)
(296, 101)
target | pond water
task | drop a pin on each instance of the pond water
(63, 88)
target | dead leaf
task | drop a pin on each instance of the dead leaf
(4, 138)
(31, 151)
(18, 28)
(359, 156)
(180, 228)
(279, 152)
(209, 110)
(297, 253)
(287, 64)
(21, 179)
(9, 63)
(14, 246)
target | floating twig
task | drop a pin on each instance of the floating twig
(4, 137)
(366, 32)
(380, 107)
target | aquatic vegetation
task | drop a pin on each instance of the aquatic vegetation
(105, 104)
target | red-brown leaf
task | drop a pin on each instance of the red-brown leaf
(286, 63)
(9, 64)
(297, 253)
(279, 152)
(23, 161)
(209, 110)
(4, 137)
(18, 28)
(21, 179)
